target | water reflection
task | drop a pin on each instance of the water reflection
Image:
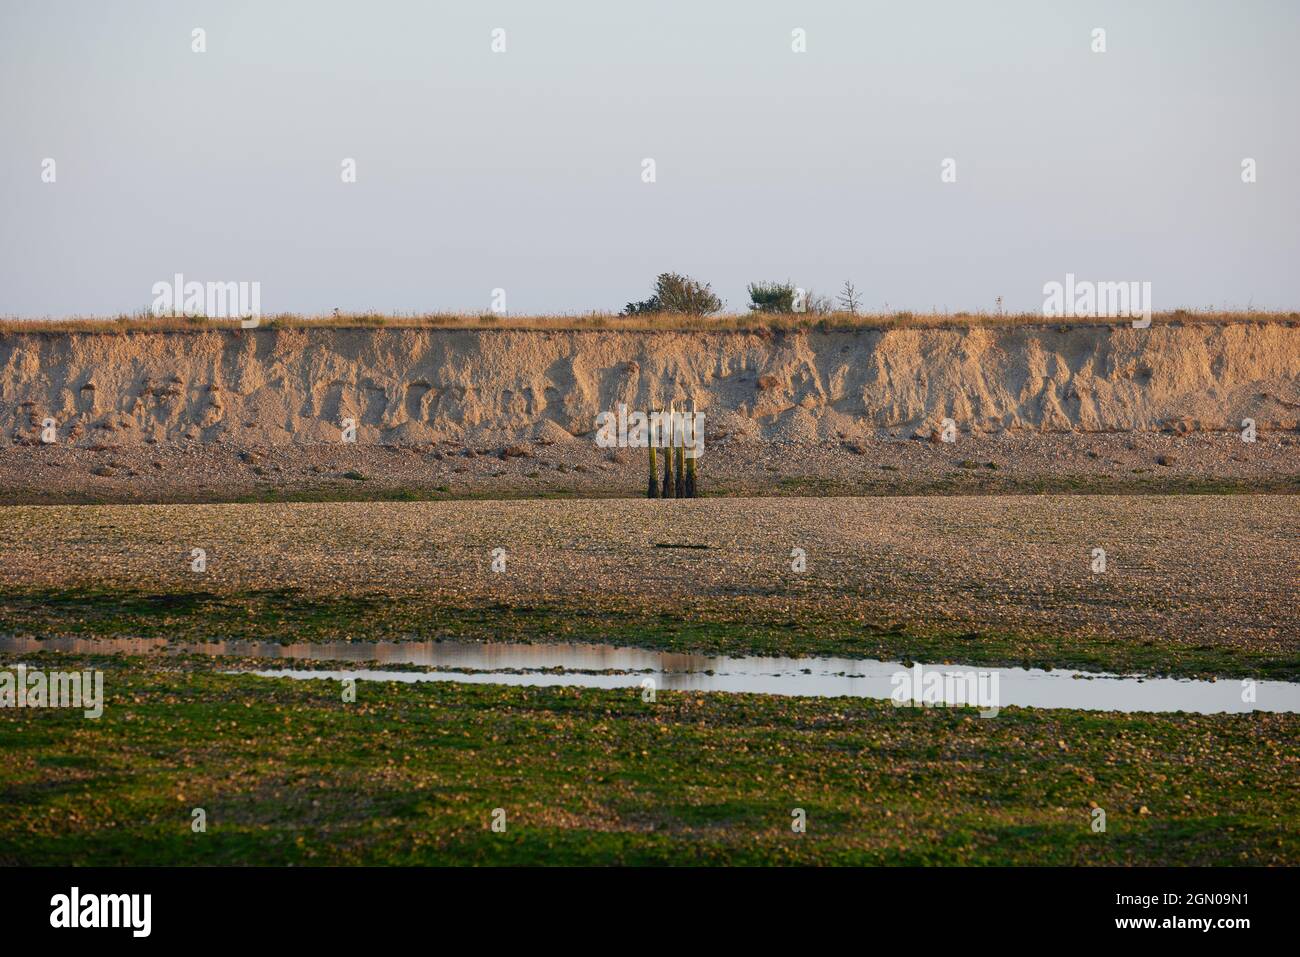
(616, 667)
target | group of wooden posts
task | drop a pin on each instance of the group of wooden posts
(679, 468)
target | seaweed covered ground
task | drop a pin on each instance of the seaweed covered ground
(289, 772)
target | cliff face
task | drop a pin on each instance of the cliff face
(274, 387)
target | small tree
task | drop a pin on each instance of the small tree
(849, 298)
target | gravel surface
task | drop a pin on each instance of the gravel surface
(1181, 570)
(1003, 463)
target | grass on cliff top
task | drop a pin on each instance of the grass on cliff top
(289, 773)
(741, 322)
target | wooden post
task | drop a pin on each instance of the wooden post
(690, 462)
(679, 460)
(668, 454)
(652, 486)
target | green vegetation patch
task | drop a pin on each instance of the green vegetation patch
(287, 772)
(704, 626)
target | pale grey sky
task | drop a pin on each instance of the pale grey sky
(522, 170)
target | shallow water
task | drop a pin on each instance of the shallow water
(608, 666)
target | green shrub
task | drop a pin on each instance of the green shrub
(783, 297)
(771, 296)
(674, 293)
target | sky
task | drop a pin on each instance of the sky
(523, 170)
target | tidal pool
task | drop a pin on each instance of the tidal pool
(609, 666)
